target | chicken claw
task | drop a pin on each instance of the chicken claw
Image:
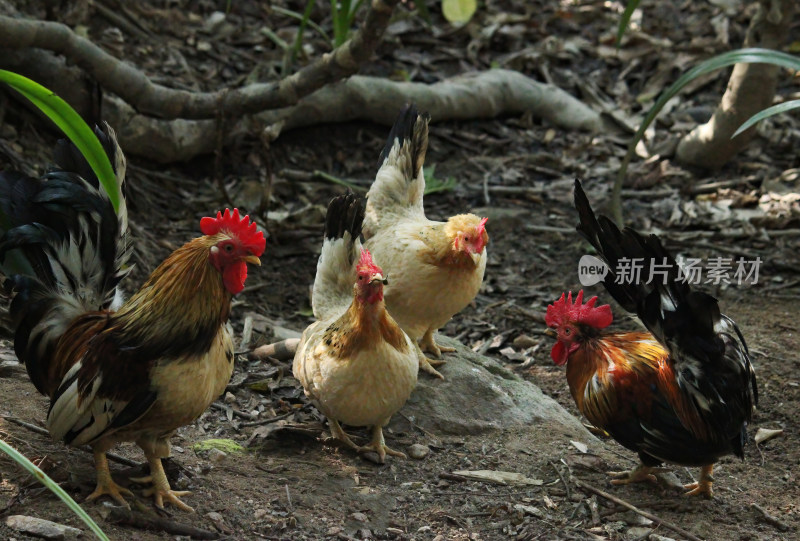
(639, 474)
(161, 491)
(427, 365)
(105, 484)
(703, 486)
(337, 432)
(378, 445)
(428, 344)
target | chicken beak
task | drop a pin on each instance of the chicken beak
(551, 333)
(378, 277)
(252, 259)
(476, 256)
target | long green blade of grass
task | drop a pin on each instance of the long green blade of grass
(43, 478)
(626, 19)
(73, 127)
(766, 113)
(739, 56)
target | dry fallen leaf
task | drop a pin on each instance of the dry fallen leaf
(764, 434)
(582, 447)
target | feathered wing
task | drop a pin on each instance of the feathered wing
(63, 250)
(399, 185)
(341, 248)
(708, 353)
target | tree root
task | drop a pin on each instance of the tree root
(479, 95)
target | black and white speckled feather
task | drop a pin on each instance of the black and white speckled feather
(63, 249)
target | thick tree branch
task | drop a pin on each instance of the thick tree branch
(135, 88)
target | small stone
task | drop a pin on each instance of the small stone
(217, 456)
(259, 513)
(523, 341)
(365, 533)
(203, 46)
(394, 531)
(230, 398)
(359, 517)
(418, 451)
(637, 532)
(334, 530)
(38, 527)
(439, 537)
(423, 529)
(213, 21)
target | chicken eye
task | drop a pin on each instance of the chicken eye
(466, 239)
(360, 278)
(229, 248)
(567, 331)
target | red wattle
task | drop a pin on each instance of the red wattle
(559, 354)
(233, 276)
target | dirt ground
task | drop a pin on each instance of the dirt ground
(289, 481)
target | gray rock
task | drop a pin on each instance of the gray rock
(418, 451)
(38, 527)
(479, 395)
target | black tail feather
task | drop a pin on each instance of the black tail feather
(410, 128)
(345, 214)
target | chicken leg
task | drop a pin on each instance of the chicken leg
(703, 486)
(338, 433)
(378, 445)
(161, 491)
(105, 484)
(639, 474)
(427, 365)
(428, 344)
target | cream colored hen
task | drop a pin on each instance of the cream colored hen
(436, 268)
(355, 363)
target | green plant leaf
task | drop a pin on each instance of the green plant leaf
(459, 11)
(422, 10)
(740, 56)
(43, 478)
(626, 19)
(433, 184)
(768, 112)
(73, 127)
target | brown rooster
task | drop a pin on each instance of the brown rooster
(681, 393)
(133, 371)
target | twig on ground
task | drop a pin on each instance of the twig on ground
(270, 420)
(85, 448)
(666, 524)
(769, 519)
(125, 517)
(236, 412)
(564, 481)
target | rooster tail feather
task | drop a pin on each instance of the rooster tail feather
(341, 247)
(709, 354)
(63, 249)
(400, 184)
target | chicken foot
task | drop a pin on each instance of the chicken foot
(105, 484)
(427, 365)
(639, 474)
(337, 432)
(703, 486)
(428, 344)
(161, 491)
(378, 445)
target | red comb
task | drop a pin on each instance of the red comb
(243, 228)
(564, 311)
(482, 226)
(365, 263)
